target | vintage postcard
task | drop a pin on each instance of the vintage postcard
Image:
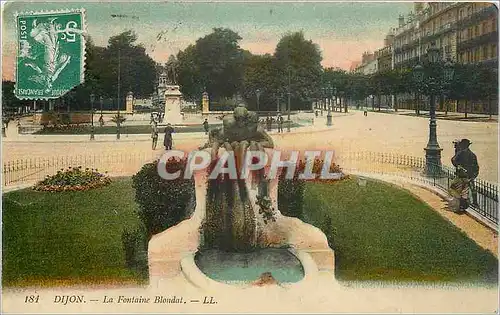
(249, 157)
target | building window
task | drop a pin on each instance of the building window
(469, 10)
(485, 28)
(460, 14)
(476, 31)
(485, 52)
(493, 50)
(494, 25)
(469, 33)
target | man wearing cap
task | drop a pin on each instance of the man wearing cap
(467, 170)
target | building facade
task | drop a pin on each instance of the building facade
(368, 65)
(465, 32)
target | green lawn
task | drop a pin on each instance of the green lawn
(379, 233)
(382, 232)
(69, 237)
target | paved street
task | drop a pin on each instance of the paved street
(353, 132)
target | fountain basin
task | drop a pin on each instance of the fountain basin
(214, 269)
(230, 267)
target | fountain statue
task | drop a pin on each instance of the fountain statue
(237, 216)
(233, 205)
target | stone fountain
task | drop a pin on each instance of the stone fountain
(235, 215)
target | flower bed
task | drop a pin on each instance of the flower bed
(73, 179)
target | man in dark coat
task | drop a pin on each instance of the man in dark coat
(205, 126)
(467, 167)
(167, 141)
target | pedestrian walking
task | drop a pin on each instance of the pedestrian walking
(279, 119)
(154, 135)
(167, 141)
(101, 121)
(467, 170)
(268, 123)
(205, 126)
(365, 112)
(151, 117)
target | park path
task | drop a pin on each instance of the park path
(377, 132)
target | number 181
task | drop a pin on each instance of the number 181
(31, 299)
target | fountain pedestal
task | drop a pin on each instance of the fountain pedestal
(167, 249)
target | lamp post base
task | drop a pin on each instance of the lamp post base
(92, 132)
(432, 159)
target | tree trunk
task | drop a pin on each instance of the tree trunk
(489, 105)
(446, 107)
(417, 105)
(378, 101)
(441, 102)
(465, 110)
(396, 102)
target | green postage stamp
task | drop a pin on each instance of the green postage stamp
(50, 53)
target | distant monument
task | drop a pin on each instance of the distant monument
(173, 96)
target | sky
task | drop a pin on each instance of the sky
(343, 30)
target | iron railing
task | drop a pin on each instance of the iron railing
(28, 171)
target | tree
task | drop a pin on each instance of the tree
(10, 103)
(214, 63)
(189, 77)
(260, 74)
(301, 60)
(137, 69)
(488, 85)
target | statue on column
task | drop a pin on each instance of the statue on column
(171, 66)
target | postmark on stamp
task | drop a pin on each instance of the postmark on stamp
(50, 53)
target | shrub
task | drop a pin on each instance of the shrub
(135, 246)
(73, 179)
(163, 203)
(329, 230)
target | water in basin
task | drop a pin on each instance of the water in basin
(247, 267)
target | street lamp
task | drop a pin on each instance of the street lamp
(433, 85)
(289, 94)
(118, 95)
(334, 99)
(92, 98)
(277, 96)
(101, 101)
(257, 93)
(418, 76)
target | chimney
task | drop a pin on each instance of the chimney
(401, 20)
(390, 39)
